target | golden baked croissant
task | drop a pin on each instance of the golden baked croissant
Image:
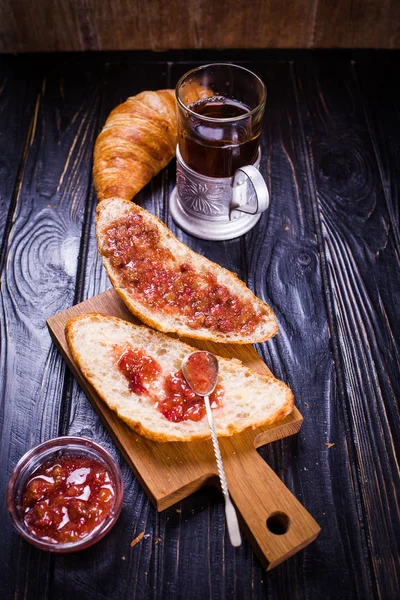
(137, 141)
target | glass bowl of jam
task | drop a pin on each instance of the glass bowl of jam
(65, 494)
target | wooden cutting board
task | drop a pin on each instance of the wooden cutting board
(275, 522)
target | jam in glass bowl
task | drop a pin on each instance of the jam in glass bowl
(65, 494)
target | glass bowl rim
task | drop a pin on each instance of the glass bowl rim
(60, 443)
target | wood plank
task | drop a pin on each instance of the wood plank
(363, 279)
(285, 267)
(128, 25)
(38, 277)
(357, 24)
(61, 25)
(240, 25)
(380, 99)
(18, 97)
(47, 26)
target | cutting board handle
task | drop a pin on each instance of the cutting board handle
(275, 522)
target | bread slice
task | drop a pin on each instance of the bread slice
(246, 398)
(172, 288)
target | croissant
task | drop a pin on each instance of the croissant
(137, 141)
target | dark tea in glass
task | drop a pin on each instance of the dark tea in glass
(220, 109)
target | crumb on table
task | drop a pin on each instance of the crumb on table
(137, 539)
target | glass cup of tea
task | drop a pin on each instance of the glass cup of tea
(220, 192)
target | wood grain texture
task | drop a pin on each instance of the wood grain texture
(360, 251)
(325, 256)
(357, 24)
(70, 25)
(285, 267)
(238, 24)
(43, 26)
(18, 100)
(38, 275)
(380, 101)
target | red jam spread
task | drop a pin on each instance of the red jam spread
(139, 368)
(180, 403)
(153, 275)
(65, 500)
(201, 371)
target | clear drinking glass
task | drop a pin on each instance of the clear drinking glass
(220, 112)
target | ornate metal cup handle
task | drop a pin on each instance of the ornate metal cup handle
(253, 200)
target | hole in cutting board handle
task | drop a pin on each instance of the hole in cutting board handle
(278, 523)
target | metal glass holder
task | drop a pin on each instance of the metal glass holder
(222, 208)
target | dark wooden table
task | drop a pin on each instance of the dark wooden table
(325, 256)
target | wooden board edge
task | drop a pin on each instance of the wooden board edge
(290, 425)
(169, 500)
(292, 552)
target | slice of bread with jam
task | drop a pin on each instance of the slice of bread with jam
(172, 288)
(137, 372)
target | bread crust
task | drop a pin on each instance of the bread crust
(285, 407)
(269, 326)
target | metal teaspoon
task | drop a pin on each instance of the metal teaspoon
(200, 370)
